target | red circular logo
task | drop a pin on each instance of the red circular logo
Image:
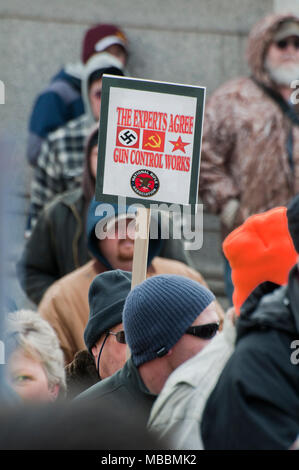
(144, 183)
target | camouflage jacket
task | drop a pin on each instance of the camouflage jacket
(250, 145)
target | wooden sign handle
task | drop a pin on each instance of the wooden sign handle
(140, 246)
(140, 249)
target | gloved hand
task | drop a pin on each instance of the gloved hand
(229, 212)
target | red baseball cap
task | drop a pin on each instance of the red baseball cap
(101, 36)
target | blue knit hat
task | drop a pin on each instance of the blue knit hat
(158, 311)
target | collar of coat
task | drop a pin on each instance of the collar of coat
(270, 307)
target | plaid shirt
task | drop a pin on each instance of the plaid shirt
(59, 166)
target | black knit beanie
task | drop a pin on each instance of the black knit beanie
(107, 295)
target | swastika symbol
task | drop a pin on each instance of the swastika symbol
(128, 137)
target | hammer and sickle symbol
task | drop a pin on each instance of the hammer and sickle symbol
(156, 139)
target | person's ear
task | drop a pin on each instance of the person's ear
(169, 352)
(54, 391)
(95, 351)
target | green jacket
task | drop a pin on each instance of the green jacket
(125, 388)
(56, 246)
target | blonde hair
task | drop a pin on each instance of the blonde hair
(27, 330)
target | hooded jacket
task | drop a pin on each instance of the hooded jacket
(65, 303)
(60, 162)
(59, 103)
(255, 403)
(250, 149)
(80, 374)
(58, 243)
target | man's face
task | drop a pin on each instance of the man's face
(94, 94)
(282, 60)
(113, 354)
(118, 246)
(118, 51)
(189, 345)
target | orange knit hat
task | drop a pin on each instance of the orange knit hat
(260, 250)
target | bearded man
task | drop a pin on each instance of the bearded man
(250, 151)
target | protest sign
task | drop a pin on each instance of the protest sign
(149, 141)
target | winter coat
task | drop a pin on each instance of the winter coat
(255, 404)
(250, 148)
(80, 374)
(59, 103)
(125, 388)
(177, 412)
(57, 245)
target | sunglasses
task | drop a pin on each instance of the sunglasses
(120, 336)
(283, 43)
(207, 331)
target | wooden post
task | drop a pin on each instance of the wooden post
(140, 246)
(140, 249)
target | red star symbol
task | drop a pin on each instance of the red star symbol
(179, 145)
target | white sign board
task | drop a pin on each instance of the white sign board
(149, 141)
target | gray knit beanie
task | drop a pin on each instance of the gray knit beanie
(157, 313)
(107, 295)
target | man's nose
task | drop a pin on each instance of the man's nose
(131, 231)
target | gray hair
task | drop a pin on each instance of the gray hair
(27, 330)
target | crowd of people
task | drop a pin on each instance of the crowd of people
(192, 375)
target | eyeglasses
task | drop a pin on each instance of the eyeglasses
(120, 336)
(207, 331)
(283, 43)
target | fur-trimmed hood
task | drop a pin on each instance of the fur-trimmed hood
(259, 40)
(81, 374)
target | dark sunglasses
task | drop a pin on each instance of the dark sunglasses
(207, 331)
(283, 43)
(120, 336)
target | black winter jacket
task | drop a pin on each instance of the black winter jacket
(56, 246)
(255, 404)
(125, 388)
